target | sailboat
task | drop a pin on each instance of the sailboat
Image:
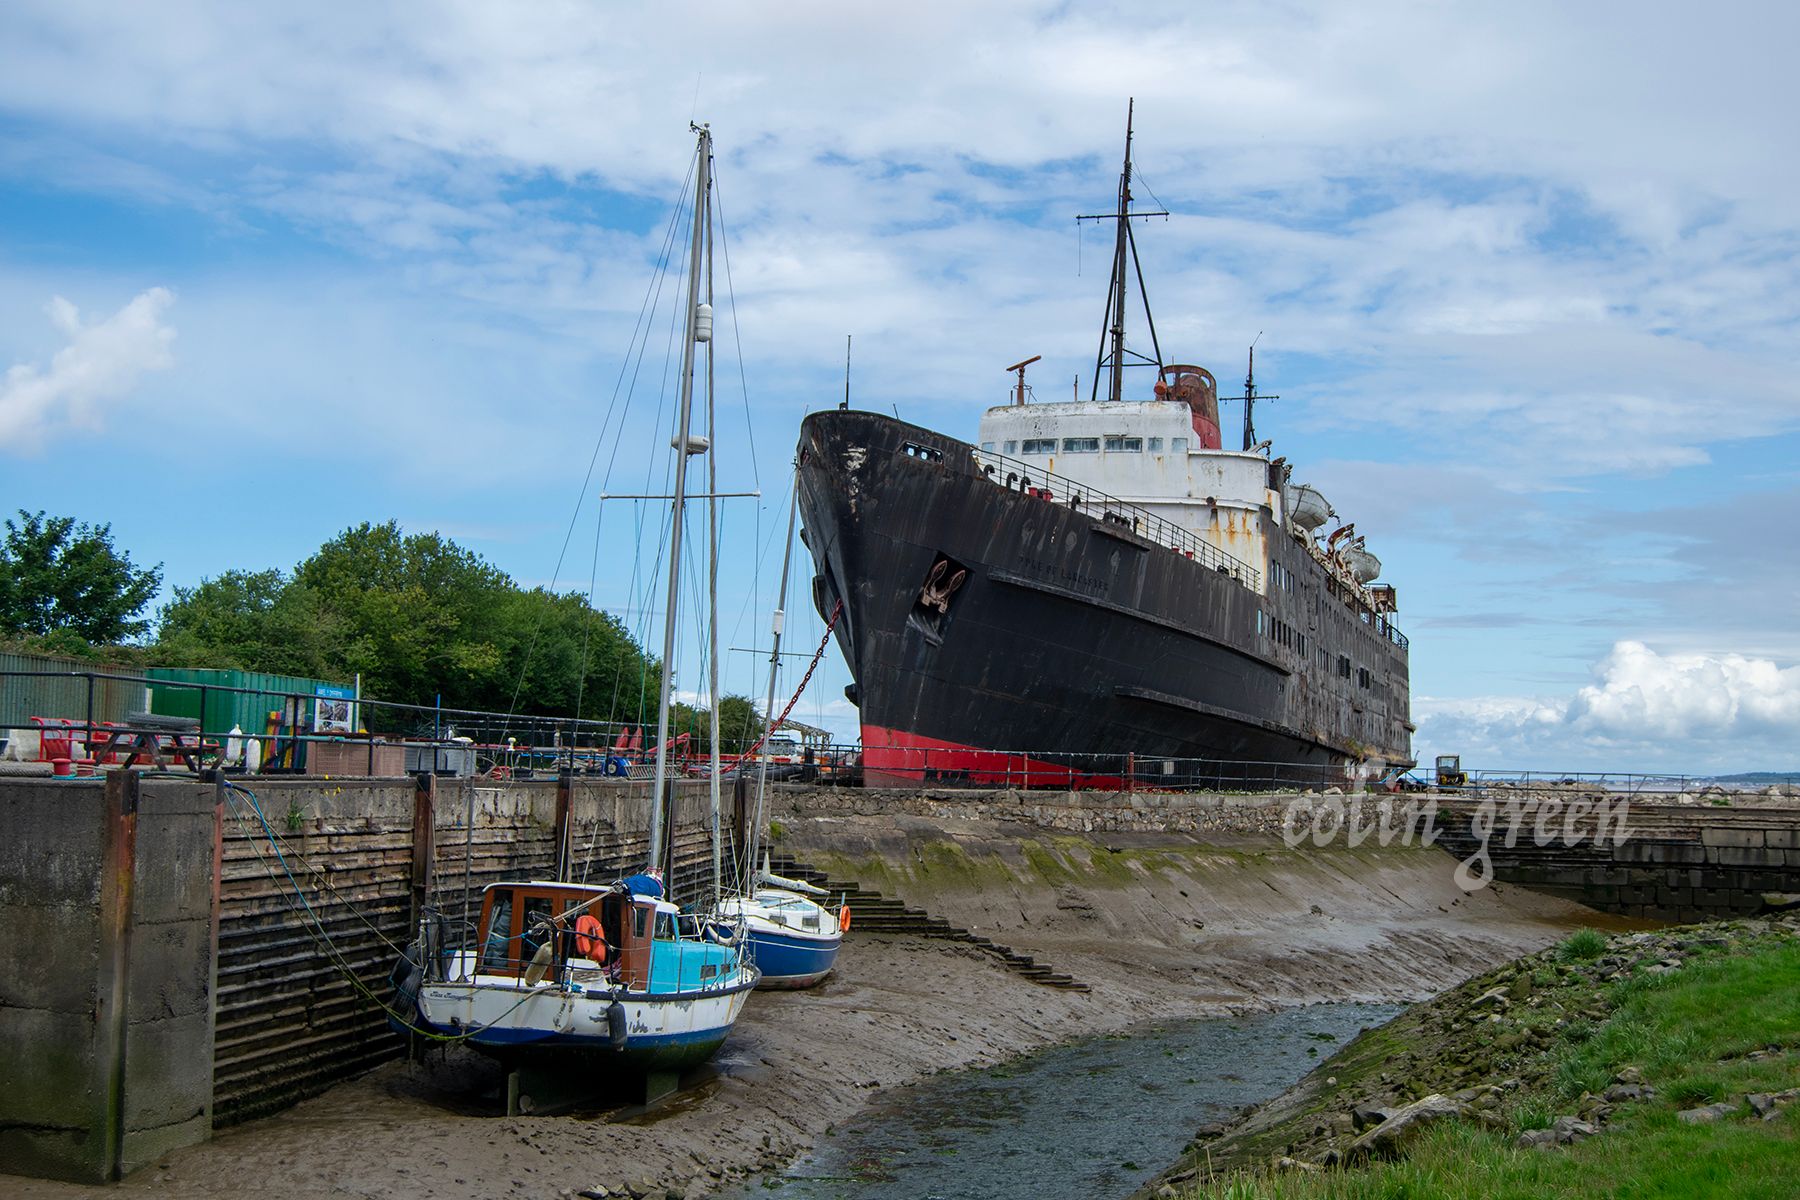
(791, 937)
(589, 981)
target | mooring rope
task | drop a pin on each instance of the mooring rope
(332, 953)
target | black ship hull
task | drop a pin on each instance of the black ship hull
(1000, 637)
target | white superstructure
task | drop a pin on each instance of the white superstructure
(1150, 454)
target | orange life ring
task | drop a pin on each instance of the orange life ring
(843, 918)
(590, 941)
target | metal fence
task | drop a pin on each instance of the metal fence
(1617, 783)
(70, 718)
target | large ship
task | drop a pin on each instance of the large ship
(1097, 593)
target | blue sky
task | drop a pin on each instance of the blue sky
(1525, 279)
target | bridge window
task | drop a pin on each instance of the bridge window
(1124, 445)
(1081, 445)
(988, 446)
(1362, 677)
(1012, 446)
(1178, 445)
(1039, 446)
(1343, 666)
(1156, 445)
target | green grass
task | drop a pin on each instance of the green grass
(1581, 945)
(1689, 1033)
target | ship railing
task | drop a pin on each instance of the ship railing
(1358, 596)
(1015, 475)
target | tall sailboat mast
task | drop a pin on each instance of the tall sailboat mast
(699, 328)
(712, 576)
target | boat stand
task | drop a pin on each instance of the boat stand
(537, 1092)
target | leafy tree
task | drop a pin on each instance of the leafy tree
(739, 723)
(250, 620)
(57, 577)
(418, 617)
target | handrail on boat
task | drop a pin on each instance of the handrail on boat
(1047, 485)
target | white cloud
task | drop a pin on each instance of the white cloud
(1645, 711)
(102, 362)
(1640, 695)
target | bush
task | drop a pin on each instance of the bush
(1581, 945)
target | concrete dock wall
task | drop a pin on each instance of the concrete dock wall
(1646, 856)
(184, 956)
(106, 900)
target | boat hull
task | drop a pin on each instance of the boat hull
(1073, 653)
(788, 960)
(553, 1024)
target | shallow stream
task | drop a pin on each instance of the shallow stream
(1091, 1120)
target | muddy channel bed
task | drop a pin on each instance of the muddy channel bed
(1178, 927)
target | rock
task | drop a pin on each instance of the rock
(1537, 1139)
(1366, 1116)
(1389, 1139)
(1628, 1075)
(598, 1192)
(1494, 996)
(1520, 988)
(1284, 1163)
(1780, 901)
(1761, 1103)
(1165, 1192)
(1618, 1093)
(1705, 1115)
(1569, 1130)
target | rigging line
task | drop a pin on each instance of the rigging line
(653, 289)
(1137, 173)
(837, 610)
(737, 337)
(587, 624)
(332, 953)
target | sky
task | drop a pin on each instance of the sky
(1525, 280)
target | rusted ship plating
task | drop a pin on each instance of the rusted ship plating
(1098, 588)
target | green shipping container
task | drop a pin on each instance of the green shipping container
(248, 710)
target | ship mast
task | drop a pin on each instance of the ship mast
(699, 328)
(1113, 355)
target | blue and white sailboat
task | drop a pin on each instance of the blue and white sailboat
(600, 981)
(790, 936)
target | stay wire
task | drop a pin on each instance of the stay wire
(653, 289)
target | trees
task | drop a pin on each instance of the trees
(57, 577)
(418, 617)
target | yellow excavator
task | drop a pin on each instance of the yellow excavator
(1450, 773)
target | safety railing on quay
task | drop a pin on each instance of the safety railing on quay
(302, 729)
(1497, 781)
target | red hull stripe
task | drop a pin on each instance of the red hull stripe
(896, 756)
